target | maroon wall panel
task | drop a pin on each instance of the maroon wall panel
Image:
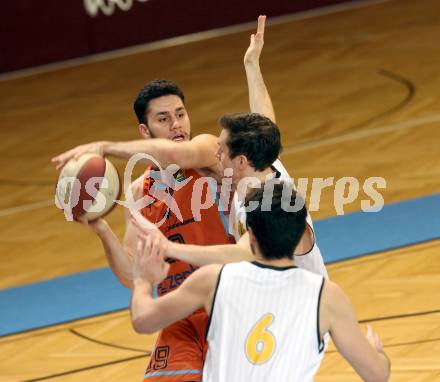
(36, 32)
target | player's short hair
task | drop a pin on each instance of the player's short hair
(154, 89)
(277, 231)
(254, 136)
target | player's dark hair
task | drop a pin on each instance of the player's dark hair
(154, 89)
(277, 231)
(254, 136)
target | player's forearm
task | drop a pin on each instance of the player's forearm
(118, 259)
(259, 98)
(386, 365)
(162, 150)
(141, 308)
(204, 255)
(373, 365)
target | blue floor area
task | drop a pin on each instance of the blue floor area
(98, 292)
(396, 225)
(60, 300)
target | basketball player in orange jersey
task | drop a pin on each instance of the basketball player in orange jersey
(180, 349)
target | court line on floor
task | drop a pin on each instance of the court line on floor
(396, 344)
(410, 90)
(141, 356)
(27, 182)
(79, 324)
(27, 207)
(83, 336)
(137, 357)
(411, 343)
(56, 328)
(189, 38)
(398, 316)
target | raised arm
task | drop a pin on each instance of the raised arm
(365, 354)
(149, 268)
(199, 152)
(259, 99)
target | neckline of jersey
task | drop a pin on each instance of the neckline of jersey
(273, 267)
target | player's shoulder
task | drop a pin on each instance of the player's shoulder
(239, 268)
(212, 269)
(309, 275)
(333, 298)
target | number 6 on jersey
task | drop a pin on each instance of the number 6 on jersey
(260, 342)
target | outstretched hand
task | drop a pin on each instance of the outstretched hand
(252, 55)
(145, 229)
(149, 262)
(94, 148)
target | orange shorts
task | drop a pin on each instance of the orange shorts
(180, 351)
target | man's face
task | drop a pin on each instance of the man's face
(224, 158)
(167, 118)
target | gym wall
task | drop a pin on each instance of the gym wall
(37, 32)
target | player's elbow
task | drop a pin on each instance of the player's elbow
(380, 373)
(379, 377)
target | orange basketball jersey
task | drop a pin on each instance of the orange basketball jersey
(180, 349)
(185, 196)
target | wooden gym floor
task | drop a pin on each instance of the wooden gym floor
(356, 94)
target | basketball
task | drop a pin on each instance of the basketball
(88, 187)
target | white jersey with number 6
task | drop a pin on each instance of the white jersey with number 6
(264, 325)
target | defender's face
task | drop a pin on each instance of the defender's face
(224, 158)
(167, 118)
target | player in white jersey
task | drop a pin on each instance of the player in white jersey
(308, 256)
(250, 145)
(267, 317)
